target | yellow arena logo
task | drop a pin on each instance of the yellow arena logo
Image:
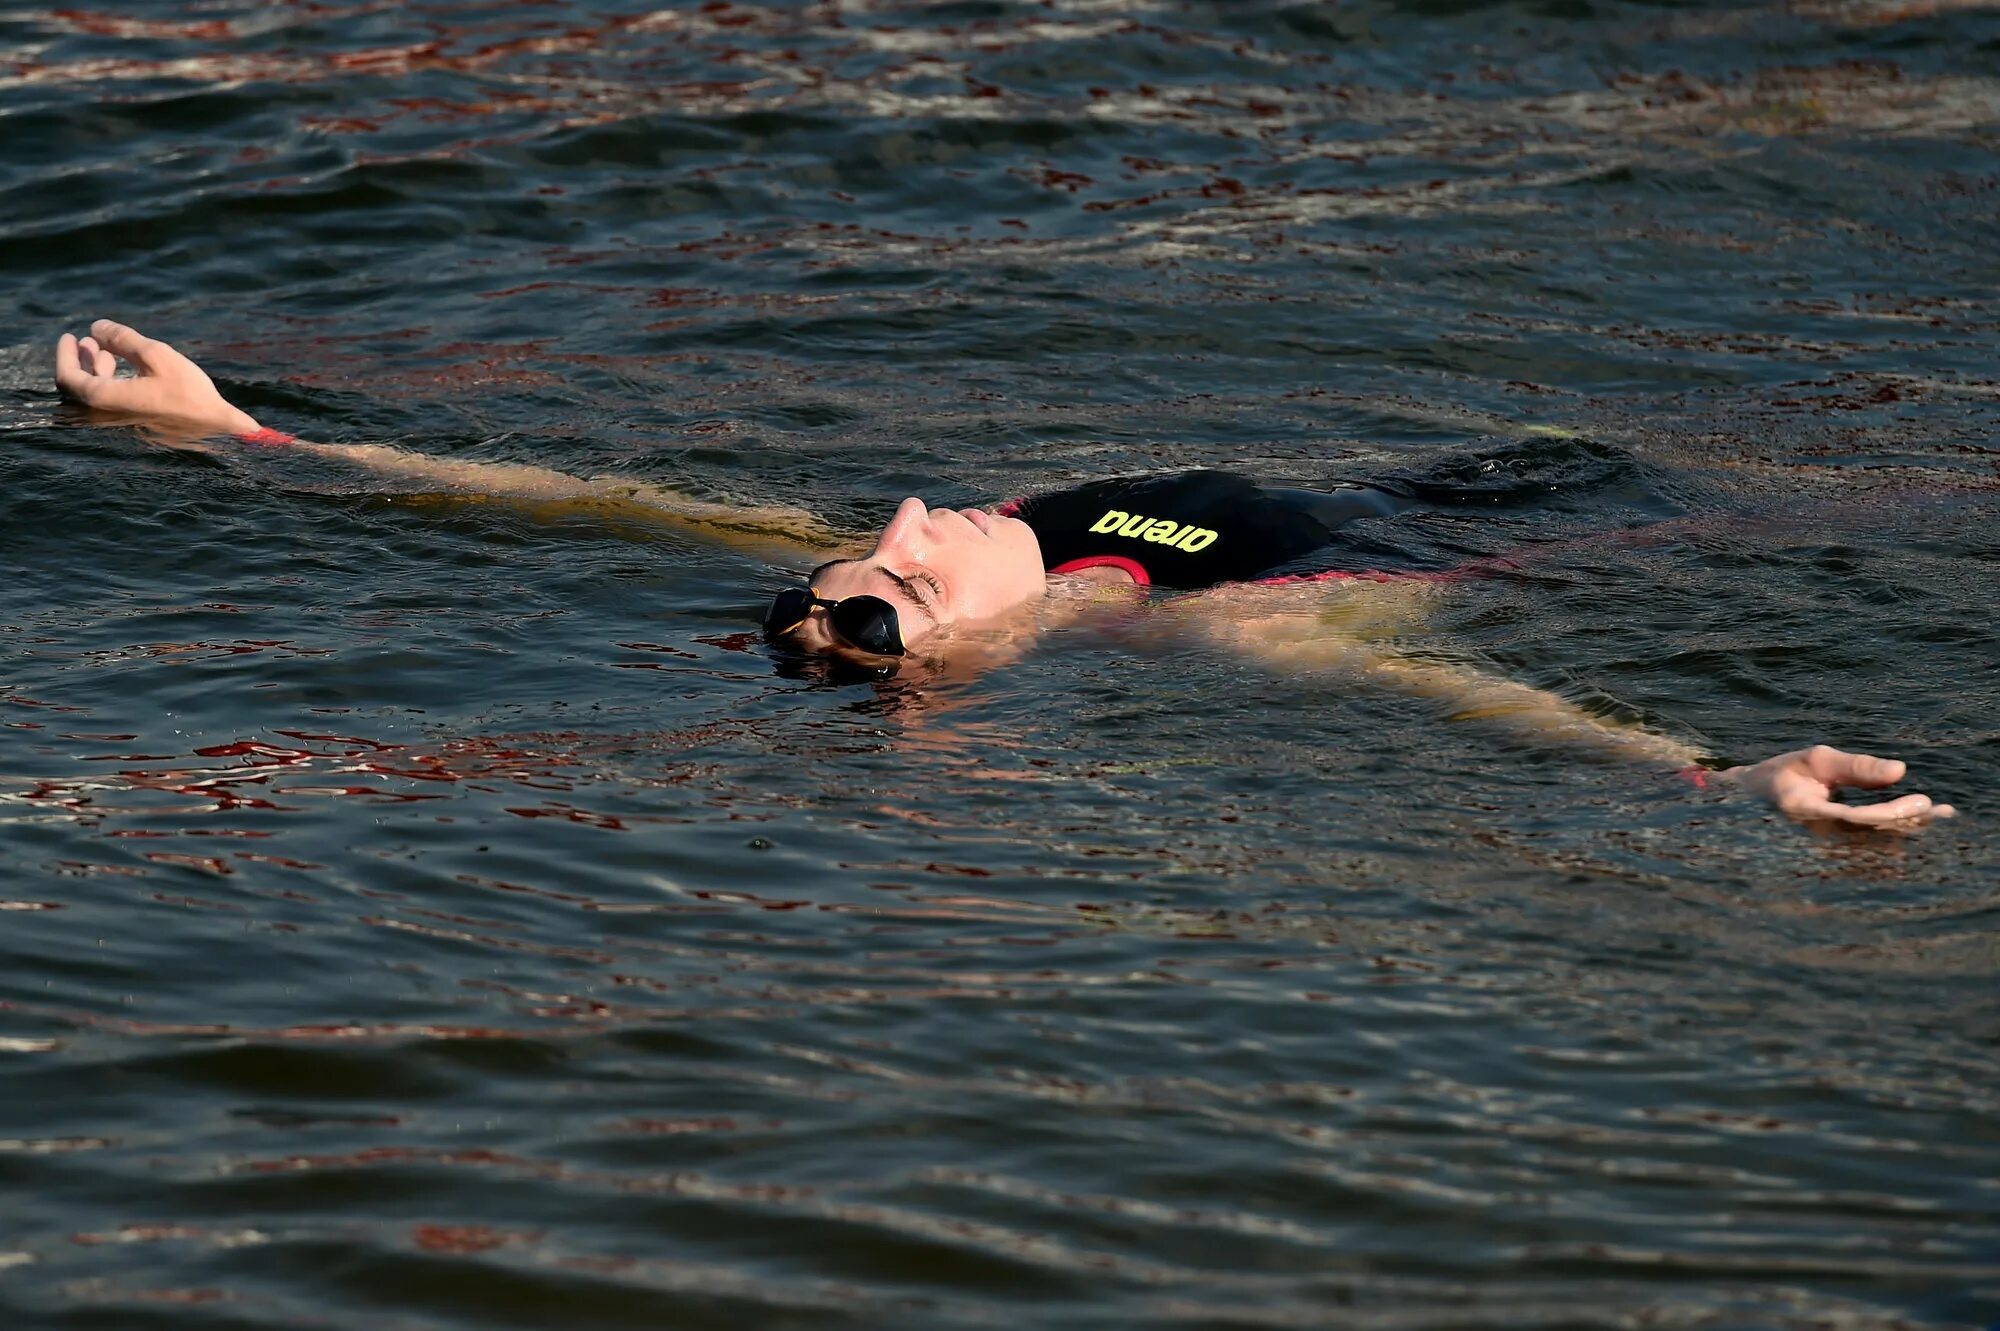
(1160, 531)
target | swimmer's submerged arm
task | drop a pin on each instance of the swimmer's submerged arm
(1476, 695)
(777, 532)
(170, 394)
(1354, 635)
(1801, 783)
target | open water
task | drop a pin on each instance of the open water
(430, 913)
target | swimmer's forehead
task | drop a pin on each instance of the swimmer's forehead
(869, 579)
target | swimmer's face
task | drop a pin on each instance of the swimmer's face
(938, 567)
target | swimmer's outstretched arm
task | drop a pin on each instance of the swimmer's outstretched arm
(1801, 783)
(169, 393)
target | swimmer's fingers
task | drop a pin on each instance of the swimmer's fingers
(85, 371)
(148, 355)
(1832, 768)
(69, 366)
(1903, 811)
(103, 364)
(1837, 767)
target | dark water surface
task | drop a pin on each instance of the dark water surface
(433, 913)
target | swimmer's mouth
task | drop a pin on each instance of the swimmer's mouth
(978, 519)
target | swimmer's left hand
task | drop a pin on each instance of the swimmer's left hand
(1801, 785)
(166, 388)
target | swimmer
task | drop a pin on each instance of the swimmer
(943, 580)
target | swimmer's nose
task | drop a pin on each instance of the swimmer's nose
(907, 526)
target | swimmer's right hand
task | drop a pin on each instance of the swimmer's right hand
(166, 388)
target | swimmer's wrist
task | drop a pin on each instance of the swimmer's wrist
(246, 429)
(239, 422)
(1711, 773)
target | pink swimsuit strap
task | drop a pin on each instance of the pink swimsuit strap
(1131, 566)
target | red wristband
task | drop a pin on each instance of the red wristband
(1694, 776)
(268, 437)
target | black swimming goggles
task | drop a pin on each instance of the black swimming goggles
(867, 622)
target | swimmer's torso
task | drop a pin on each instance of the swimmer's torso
(1191, 529)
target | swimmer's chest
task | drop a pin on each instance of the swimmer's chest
(1184, 530)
